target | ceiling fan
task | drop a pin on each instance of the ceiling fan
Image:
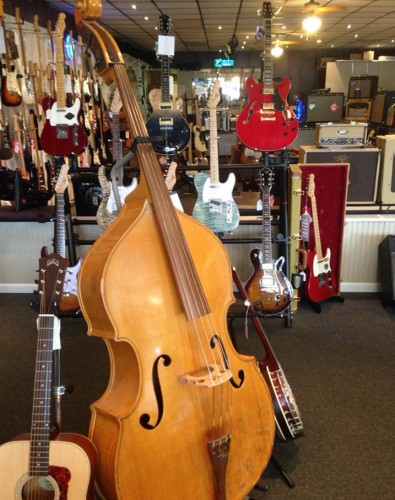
(313, 6)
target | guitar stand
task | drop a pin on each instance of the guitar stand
(317, 305)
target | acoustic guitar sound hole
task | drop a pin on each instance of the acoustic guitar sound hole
(40, 487)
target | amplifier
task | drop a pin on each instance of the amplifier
(364, 169)
(324, 107)
(386, 192)
(359, 110)
(343, 135)
(381, 104)
(87, 193)
(362, 87)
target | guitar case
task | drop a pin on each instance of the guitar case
(331, 182)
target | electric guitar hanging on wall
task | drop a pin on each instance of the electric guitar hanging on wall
(34, 465)
(62, 133)
(320, 279)
(167, 121)
(267, 123)
(215, 206)
(10, 92)
(268, 288)
(108, 211)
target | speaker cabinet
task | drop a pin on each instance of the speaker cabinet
(386, 193)
(387, 270)
(364, 169)
(87, 193)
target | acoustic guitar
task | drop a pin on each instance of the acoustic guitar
(166, 121)
(215, 206)
(33, 465)
(62, 133)
(320, 279)
(268, 288)
(267, 123)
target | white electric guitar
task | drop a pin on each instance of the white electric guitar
(215, 206)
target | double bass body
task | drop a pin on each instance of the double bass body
(151, 428)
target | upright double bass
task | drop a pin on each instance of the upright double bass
(184, 416)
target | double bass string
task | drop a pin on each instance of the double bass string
(177, 248)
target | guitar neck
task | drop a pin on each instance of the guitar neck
(214, 167)
(318, 247)
(60, 235)
(116, 138)
(268, 61)
(40, 430)
(266, 227)
(165, 79)
(60, 74)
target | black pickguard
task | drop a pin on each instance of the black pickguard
(172, 127)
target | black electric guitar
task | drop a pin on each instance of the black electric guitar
(167, 122)
(268, 288)
(34, 465)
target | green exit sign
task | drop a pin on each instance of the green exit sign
(224, 63)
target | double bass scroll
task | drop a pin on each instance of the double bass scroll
(156, 287)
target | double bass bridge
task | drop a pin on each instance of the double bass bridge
(210, 376)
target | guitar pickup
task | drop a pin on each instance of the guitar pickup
(165, 122)
(62, 132)
(166, 105)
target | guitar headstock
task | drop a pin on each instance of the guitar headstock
(266, 176)
(311, 186)
(18, 18)
(36, 24)
(60, 25)
(63, 180)
(51, 281)
(215, 95)
(165, 25)
(267, 10)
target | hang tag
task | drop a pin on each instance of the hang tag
(166, 45)
(3, 50)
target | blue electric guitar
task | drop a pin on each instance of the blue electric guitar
(167, 121)
(215, 206)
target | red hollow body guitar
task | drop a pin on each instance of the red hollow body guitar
(62, 133)
(267, 123)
